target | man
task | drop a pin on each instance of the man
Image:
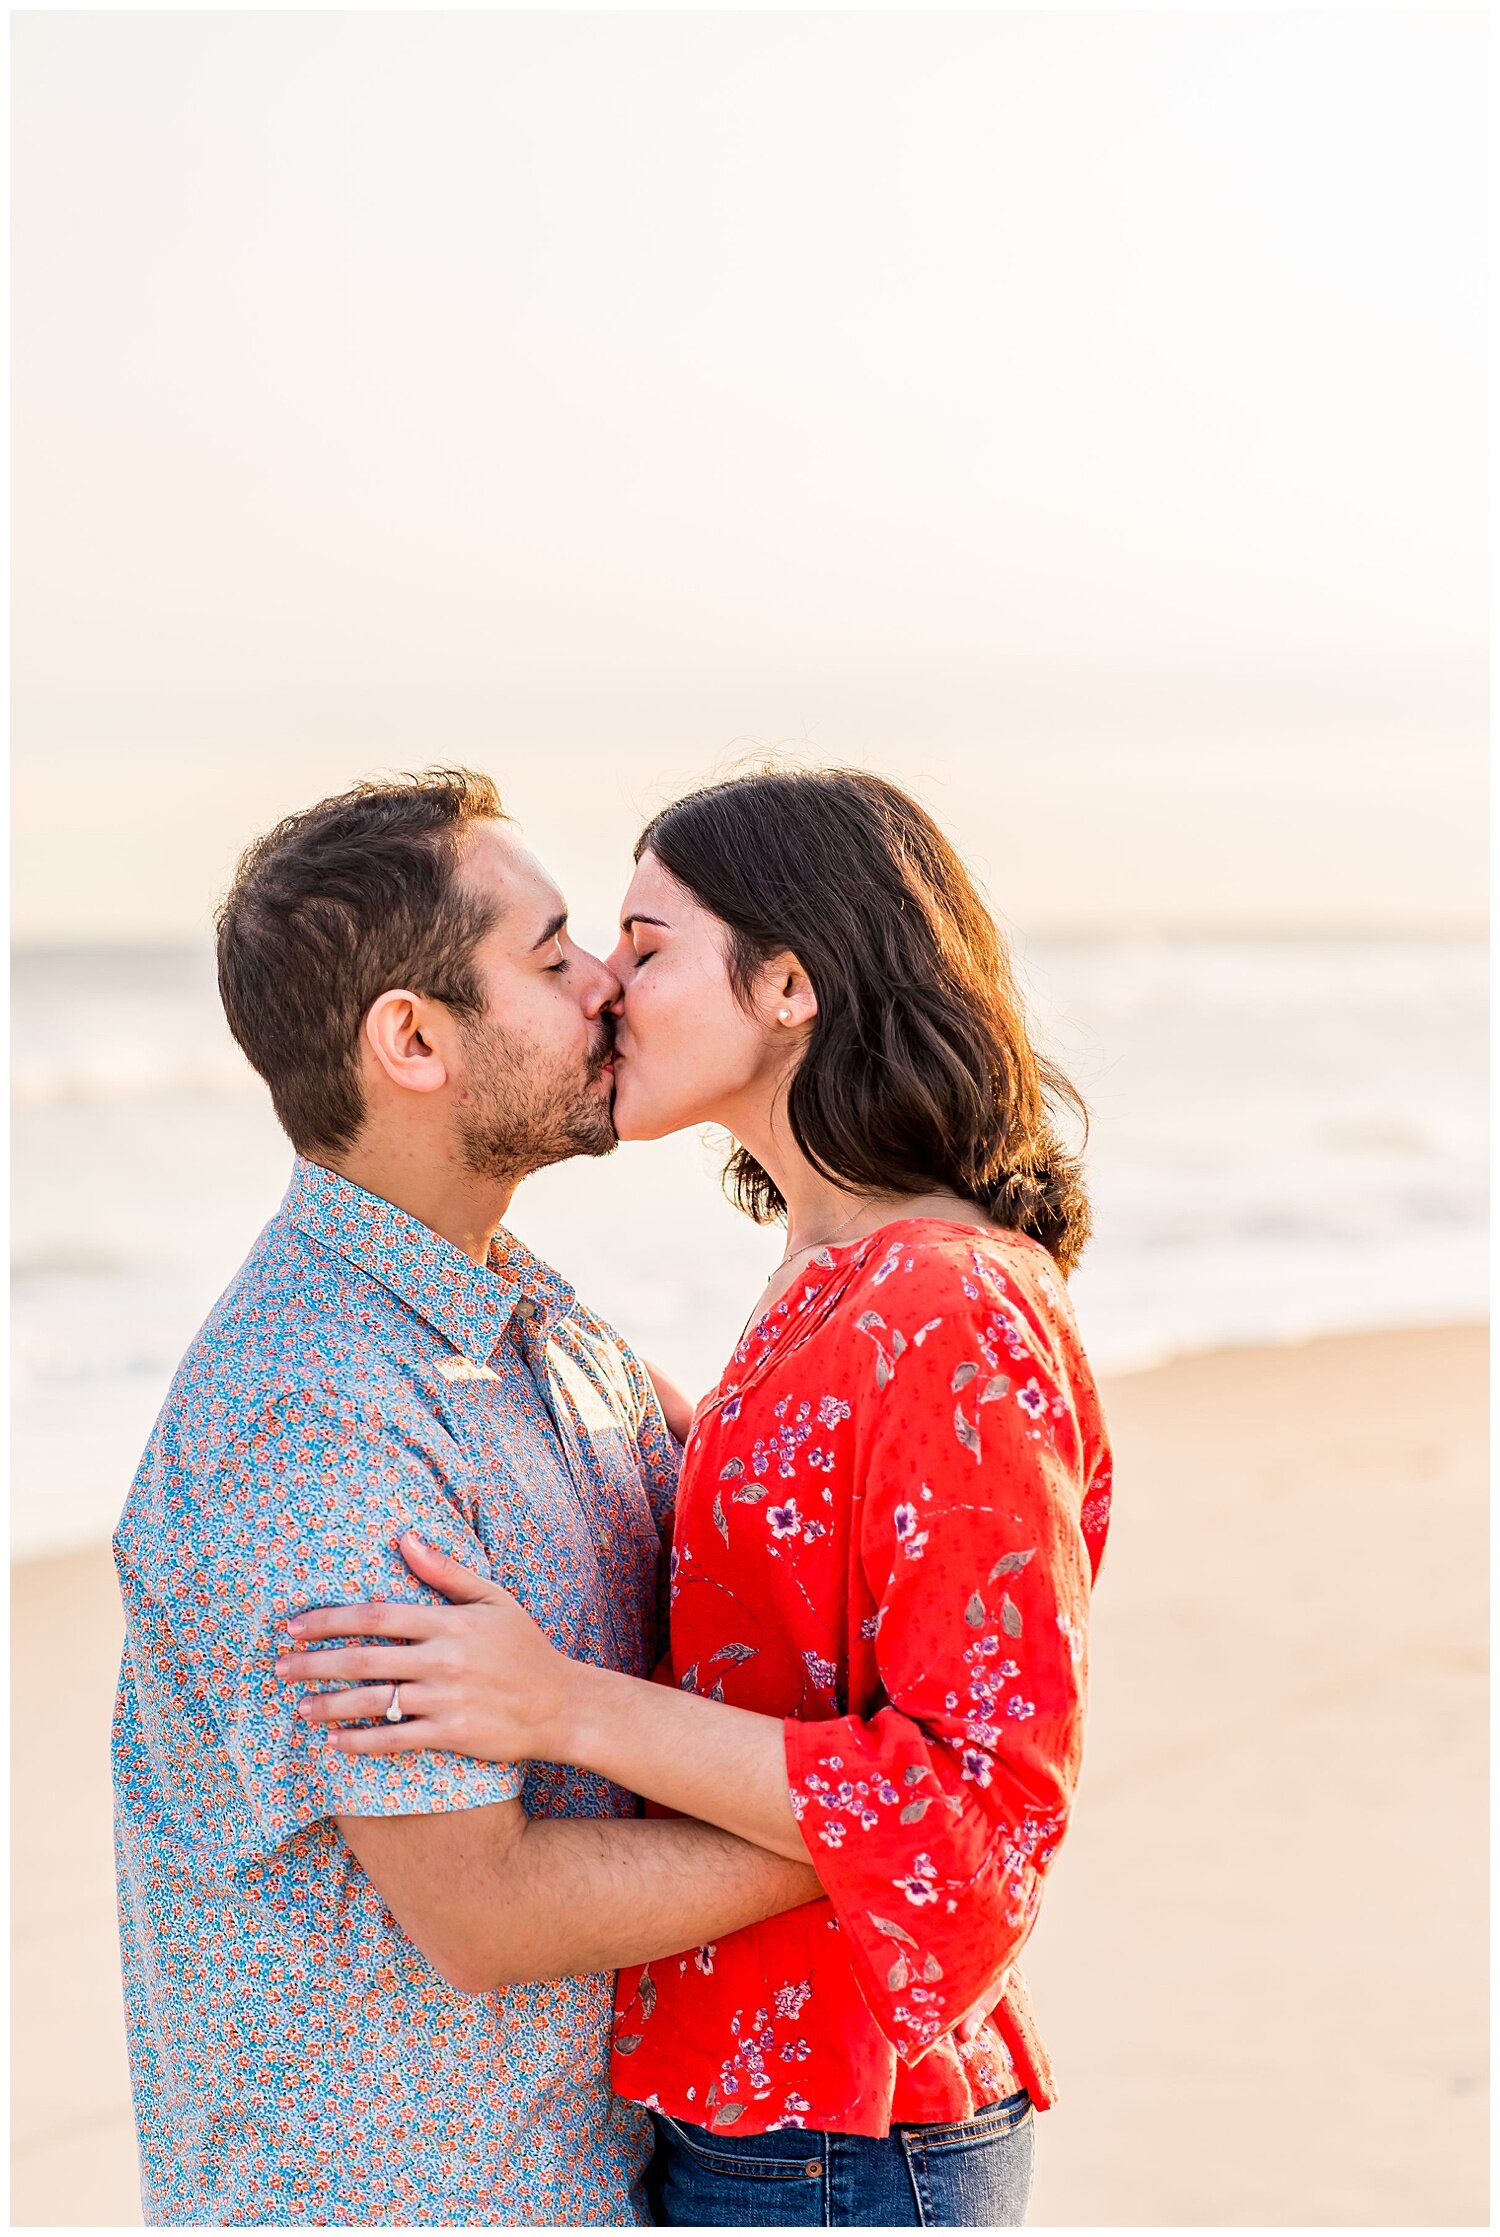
(364, 1990)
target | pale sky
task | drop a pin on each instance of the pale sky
(1080, 417)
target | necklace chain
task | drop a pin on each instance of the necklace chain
(817, 1242)
(802, 1248)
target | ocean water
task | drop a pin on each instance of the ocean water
(1288, 1137)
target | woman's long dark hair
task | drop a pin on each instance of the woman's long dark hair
(919, 1071)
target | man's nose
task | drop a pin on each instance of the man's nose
(603, 989)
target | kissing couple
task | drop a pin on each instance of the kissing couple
(540, 1800)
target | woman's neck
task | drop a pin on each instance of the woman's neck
(819, 1210)
(815, 1205)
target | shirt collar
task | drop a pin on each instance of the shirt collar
(471, 1305)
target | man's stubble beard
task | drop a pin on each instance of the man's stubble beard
(522, 1117)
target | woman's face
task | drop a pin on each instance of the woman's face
(687, 1052)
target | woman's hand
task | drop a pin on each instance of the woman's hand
(478, 1677)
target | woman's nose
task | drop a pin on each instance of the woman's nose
(616, 963)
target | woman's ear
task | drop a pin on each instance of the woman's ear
(398, 1034)
(793, 1003)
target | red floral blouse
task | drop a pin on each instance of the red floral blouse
(891, 1512)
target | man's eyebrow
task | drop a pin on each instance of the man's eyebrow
(637, 918)
(554, 926)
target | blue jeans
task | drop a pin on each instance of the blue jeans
(966, 2174)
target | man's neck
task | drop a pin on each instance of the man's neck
(461, 1206)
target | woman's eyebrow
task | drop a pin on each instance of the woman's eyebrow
(637, 918)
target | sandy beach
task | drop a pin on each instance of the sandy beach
(1261, 1966)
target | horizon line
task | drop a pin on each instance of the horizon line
(25, 946)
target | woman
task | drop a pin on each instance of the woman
(891, 1511)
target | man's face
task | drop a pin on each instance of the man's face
(534, 1078)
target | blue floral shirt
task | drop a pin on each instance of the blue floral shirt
(295, 2059)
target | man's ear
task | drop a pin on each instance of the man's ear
(399, 1033)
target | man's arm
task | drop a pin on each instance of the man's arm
(490, 1896)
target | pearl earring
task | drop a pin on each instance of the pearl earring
(785, 1016)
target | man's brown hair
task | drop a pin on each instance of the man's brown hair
(327, 912)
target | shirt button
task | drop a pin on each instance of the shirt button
(815, 2167)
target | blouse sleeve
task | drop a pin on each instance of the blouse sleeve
(933, 1822)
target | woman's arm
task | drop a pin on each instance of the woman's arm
(932, 1822)
(482, 1678)
(677, 1407)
